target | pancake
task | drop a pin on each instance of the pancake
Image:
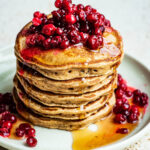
(58, 112)
(51, 99)
(63, 90)
(76, 56)
(36, 78)
(72, 73)
(60, 123)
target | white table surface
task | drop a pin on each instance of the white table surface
(130, 17)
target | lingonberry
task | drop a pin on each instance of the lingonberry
(134, 109)
(100, 40)
(107, 23)
(94, 10)
(123, 86)
(119, 102)
(137, 92)
(65, 44)
(44, 19)
(119, 93)
(102, 28)
(46, 43)
(136, 100)
(48, 29)
(71, 19)
(20, 132)
(58, 3)
(64, 37)
(98, 23)
(31, 40)
(39, 39)
(102, 17)
(88, 9)
(36, 21)
(75, 8)
(120, 79)
(59, 31)
(129, 94)
(25, 126)
(122, 130)
(30, 132)
(58, 39)
(56, 15)
(53, 43)
(73, 33)
(84, 36)
(97, 31)
(125, 106)
(144, 99)
(92, 17)
(7, 124)
(12, 118)
(69, 7)
(141, 99)
(37, 14)
(85, 27)
(80, 7)
(31, 141)
(126, 113)
(93, 42)
(133, 118)
(32, 29)
(82, 15)
(4, 132)
(76, 39)
(120, 118)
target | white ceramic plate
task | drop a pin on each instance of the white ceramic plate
(135, 73)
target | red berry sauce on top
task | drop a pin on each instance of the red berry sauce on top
(70, 24)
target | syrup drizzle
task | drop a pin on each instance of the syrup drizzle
(103, 132)
(99, 134)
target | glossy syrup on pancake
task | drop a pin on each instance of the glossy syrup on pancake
(76, 54)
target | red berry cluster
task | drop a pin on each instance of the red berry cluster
(140, 98)
(25, 129)
(70, 24)
(124, 111)
(7, 119)
(6, 122)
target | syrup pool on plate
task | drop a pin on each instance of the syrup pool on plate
(129, 109)
(99, 134)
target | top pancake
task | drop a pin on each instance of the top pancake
(76, 56)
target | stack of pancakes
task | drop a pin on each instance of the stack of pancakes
(66, 89)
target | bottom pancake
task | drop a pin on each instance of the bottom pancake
(37, 119)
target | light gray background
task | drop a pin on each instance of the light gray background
(130, 17)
